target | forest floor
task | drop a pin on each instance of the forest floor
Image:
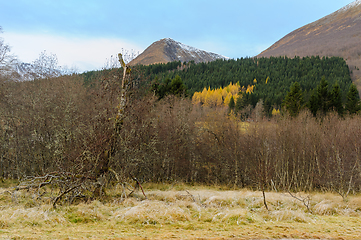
(183, 212)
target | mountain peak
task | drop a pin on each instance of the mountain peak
(171, 41)
(168, 50)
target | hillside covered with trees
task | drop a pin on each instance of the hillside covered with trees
(272, 77)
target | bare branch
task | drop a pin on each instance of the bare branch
(306, 201)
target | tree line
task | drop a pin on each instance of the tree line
(322, 100)
(272, 76)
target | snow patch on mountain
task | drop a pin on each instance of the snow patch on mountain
(19, 71)
(194, 52)
(351, 5)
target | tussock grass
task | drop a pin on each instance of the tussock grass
(153, 212)
(36, 216)
(190, 212)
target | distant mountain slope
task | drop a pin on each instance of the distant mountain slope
(20, 71)
(28, 71)
(338, 34)
(168, 50)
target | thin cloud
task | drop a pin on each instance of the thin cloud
(82, 53)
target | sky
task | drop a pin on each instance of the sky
(84, 34)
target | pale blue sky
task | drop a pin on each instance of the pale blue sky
(84, 33)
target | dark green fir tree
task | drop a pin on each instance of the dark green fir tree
(231, 103)
(336, 100)
(313, 103)
(293, 101)
(323, 96)
(353, 100)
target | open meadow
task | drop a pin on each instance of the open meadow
(182, 212)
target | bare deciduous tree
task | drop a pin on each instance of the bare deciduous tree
(6, 59)
(46, 66)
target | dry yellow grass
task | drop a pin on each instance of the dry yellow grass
(185, 212)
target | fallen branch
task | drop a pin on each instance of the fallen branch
(67, 184)
(140, 187)
(137, 184)
(63, 193)
(306, 201)
(191, 196)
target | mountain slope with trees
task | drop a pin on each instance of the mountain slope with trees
(272, 77)
(337, 34)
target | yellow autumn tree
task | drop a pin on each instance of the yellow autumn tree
(204, 94)
(250, 89)
(218, 97)
(227, 99)
(225, 92)
(276, 112)
(196, 99)
(200, 97)
(213, 98)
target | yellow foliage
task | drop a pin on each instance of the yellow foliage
(250, 89)
(267, 80)
(275, 112)
(213, 98)
(197, 98)
(204, 94)
(227, 99)
(234, 88)
(220, 92)
(225, 92)
(254, 81)
(200, 97)
(217, 97)
(210, 99)
(219, 100)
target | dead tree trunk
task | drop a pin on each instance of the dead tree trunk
(103, 165)
(87, 177)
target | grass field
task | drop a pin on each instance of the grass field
(183, 212)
